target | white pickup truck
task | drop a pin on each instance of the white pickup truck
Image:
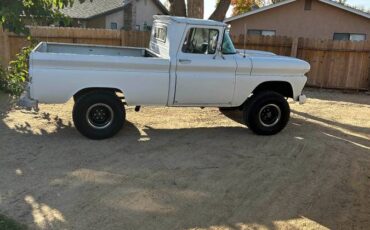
(189, 62)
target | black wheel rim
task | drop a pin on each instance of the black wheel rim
(269, 115)
(99, 116)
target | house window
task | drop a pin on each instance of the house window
(262, 32)
(201, 41)
(308, 5)
(113, 25)
(349, 37)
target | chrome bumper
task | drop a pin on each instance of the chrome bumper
(302, 99)
(25, 101)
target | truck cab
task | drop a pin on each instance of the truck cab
(203, 60)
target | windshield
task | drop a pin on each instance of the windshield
(227, 44)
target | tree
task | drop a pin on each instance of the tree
(178, 8)
(221, 10)
(243, 6)
(14, 14)
(195, 9)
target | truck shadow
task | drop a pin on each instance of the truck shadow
(332, 95)
(237, 116)
(308, 175)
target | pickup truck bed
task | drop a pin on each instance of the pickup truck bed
(81, 49)
(138, 72)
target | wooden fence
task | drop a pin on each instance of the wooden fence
(11, 44)
(334, 64)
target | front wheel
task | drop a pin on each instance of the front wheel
(266, 113)
(99, 115)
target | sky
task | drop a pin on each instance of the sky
(209, 6)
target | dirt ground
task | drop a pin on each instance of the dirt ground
(190, 168)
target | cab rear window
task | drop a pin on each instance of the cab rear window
(159, 33)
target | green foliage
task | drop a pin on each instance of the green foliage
(9, 224)
(15, 14)
(14, 79)
(243, 6)
(2, 78)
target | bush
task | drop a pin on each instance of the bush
(14, 79)
(2, 78)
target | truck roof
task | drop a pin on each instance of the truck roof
(191, 21)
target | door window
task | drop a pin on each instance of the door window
(201, 41)
(227, 44)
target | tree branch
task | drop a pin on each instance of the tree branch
(177, 8)
(221, 10)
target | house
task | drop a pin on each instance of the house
(115, 14)
(323, 19)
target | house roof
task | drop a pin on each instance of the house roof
(192, 21)
(329, 2)
(347, 8)
(94, 8)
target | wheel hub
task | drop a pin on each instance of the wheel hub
(99, 116)
(269, 115)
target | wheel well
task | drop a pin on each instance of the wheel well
(88, 90)
(282, 87)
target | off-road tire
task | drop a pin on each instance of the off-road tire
(86, 104)
(256, 107)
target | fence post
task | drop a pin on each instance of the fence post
(294, 49)
(368, 74)
(6, 52)
(123, 39)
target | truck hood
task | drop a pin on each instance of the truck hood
(269, 64)
(255, 53)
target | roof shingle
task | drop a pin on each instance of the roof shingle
(93, 8)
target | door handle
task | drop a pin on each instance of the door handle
(185, 61)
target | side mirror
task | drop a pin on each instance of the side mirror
(219, 52)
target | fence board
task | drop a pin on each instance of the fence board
(2, 54)
(334, 64)
(16, 43)
(279, 45)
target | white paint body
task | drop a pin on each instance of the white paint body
(158, 75)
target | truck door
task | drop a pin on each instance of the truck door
(202, 77)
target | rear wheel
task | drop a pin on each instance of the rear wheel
(266, 113)
(99, 114)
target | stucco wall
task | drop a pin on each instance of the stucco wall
(98, 22)
(143, 13)
(322, 21)
(116, 17)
